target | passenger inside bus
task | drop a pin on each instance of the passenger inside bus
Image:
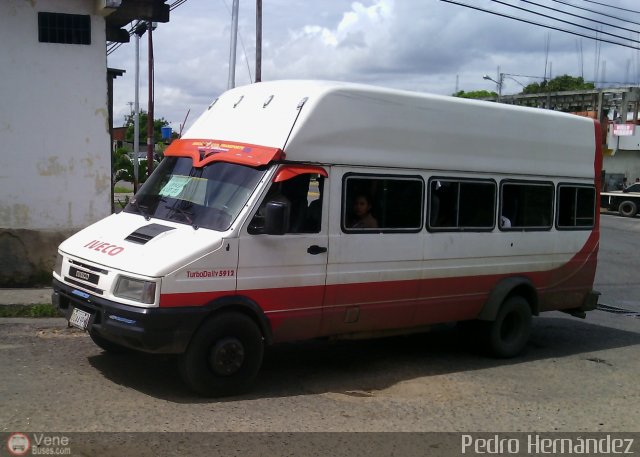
(314, 212)
(362, 218)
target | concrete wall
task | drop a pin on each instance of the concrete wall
(628, 143)
(626, 163)
(626, 160)
(55, 162)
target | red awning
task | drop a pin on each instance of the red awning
(289, 171)
(204, 152)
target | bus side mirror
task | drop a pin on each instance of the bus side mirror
(276, 219)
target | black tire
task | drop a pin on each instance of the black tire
(507, 336)
(108, 346)
(628, 208)
(224, 356)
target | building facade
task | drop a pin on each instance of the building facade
(55, 159)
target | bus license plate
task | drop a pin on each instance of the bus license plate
(79, 318)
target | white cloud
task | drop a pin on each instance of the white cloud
(410, 44)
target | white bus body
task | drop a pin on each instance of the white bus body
(247, 233)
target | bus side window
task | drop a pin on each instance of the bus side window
(444, 213)
(304, 194)
(527, 204)
(373, 203)
(462, 204)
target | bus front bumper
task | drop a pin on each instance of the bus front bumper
(154, 330)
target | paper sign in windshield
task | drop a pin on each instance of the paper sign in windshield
(187, 188)
(175, 186)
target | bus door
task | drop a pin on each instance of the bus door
(286, 274)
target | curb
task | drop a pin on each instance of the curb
(21, 297)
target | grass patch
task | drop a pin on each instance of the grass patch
(122, 190)
(39, 310)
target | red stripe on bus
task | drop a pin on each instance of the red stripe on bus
(577, 274)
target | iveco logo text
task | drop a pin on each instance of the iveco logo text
(106, 248)
(82, 275)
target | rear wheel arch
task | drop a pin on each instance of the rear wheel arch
(503, 290)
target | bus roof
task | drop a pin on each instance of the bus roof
(341, 123)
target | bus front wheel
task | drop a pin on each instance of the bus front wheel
(224, 356)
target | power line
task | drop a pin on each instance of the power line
(112, 47)
(611, 6)
(176, 4)
(596, 12)
(578, 16)
(540, 24)
(563, 21)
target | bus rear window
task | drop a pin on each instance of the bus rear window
(576, 206)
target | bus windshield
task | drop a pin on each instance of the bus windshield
(211, 196)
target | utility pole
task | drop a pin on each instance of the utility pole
(234, 44)
(258, 41)
(150, 111)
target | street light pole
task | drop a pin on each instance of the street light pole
(499, 83)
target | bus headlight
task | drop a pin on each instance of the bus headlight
(136, 290)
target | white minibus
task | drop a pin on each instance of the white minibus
(293, 210)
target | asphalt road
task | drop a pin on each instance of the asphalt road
(618, 275)
(575, 375)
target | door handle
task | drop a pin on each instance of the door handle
(315, 249)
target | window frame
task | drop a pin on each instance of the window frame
(74, 29)
(526, 182)
(595, 208)
(458, 228)
(296, 170)
(380, 176)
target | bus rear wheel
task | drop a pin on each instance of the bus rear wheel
(627, 208)
(507, 336)
(224, 356)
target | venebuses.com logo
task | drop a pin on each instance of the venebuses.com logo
(39, 444)
(18, 444)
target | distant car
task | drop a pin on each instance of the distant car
(635, 188)
(626, 202)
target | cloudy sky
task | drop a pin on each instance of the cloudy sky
(422, 45)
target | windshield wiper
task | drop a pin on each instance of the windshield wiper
(183, 212)
(140, 209)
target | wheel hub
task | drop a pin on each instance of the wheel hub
(226, 356)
